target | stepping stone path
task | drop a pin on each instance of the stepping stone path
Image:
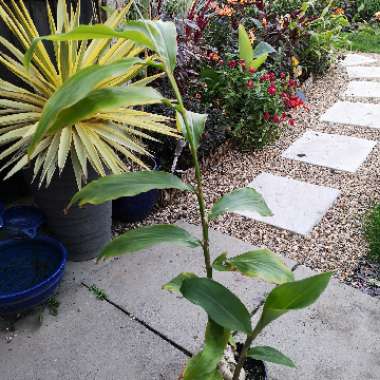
(359, 114)
(371, 72)
(332, 151)
(363, 89)
(296, 206)
(299, 206)
(357, 59)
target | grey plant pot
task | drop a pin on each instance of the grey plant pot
(84, 231)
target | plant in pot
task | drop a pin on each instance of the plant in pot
(74, 118)
(226, 312)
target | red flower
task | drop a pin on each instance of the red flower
(276, 118)
(292, 83)
(292, 122)
(272, 76)
(272, 90)
(250, 84)
(266, 116)
(232, 64)
(282, 75)
(264, 78)
(284, 116)
(294, 102)
(252, 70)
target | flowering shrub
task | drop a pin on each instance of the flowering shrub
(255, 104)
(303, 33)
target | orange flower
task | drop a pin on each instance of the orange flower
(339, 11)
(226, 11)
(214, 56)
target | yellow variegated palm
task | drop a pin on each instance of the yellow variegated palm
(103, 139)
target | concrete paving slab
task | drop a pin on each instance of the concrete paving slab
(332, 151)
(88, 340)
(364, 72)
(363, 89)
(296, 206)
(357, 59)
(135, 282)
(359, 114)
(335, 339)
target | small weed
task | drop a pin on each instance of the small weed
(100, 294)
(372, 232)
(53, 305)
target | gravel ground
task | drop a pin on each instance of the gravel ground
(337, 242)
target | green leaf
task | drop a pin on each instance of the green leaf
(197, 123)
(75, 89)
(260, 263)
(105, 100)
(221, 305)
(269, 354)
(175, 284)
(146, 237)
(92, 32)
(263, 48)
(259, 61)
(162, 36)
(127, 185)
(292, 296)
(245, 46)
(204, 365)
(241, 200)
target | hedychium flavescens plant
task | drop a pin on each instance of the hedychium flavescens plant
(76, 101)
(226, 312)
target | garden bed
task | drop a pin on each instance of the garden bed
(337, 243)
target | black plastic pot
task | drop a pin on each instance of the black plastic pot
(137, 208)
(256, 370)
(83, 231)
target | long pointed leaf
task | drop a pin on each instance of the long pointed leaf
(221, 305)
(203, 365)
(292, 296)
(269, 354)
(75, 89)
(246, 199)
(146, 237)
(260, 263)
(127, 185)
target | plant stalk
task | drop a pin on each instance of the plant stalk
(244, 352)
(198, 175)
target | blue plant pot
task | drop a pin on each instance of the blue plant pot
(23, 221)
(137, 208)
(30, 271)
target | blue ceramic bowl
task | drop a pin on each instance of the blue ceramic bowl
(30, 271)
(23, 220)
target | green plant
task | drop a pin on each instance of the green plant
(102, 133)
(372, 232)
(366, 39)
(326, 32)
(254, 102)
(100, 294)
(226, 313)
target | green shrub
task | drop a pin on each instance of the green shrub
(366, 9)
(254, 104)
(372, 232)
